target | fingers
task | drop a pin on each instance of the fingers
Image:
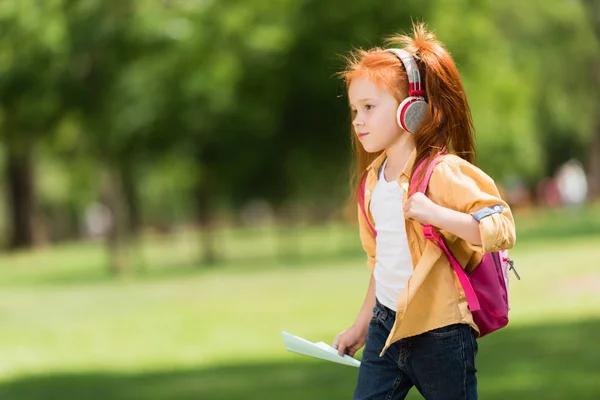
(340, 344)
(337, 340)
(335, 344)
(407, 207)
(356, 346)
(342, 348)
(348, 348)
(408, 214)
(351, 351)
(347, 343)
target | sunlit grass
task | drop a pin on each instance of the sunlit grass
(179, 331)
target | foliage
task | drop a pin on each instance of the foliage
(242, 94)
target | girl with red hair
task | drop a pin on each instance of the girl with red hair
(409, 107)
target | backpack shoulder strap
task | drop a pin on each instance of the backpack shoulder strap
(422, 186)
(431, 234)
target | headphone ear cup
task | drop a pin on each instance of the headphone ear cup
(411, 113)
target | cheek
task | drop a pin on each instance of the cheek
(388, 122)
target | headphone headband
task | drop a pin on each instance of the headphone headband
(415, 87)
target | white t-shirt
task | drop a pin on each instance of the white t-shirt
(393, 263)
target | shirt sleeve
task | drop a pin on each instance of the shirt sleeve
(367, 239)
(461, 186)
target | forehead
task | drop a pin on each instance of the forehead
(361, 87)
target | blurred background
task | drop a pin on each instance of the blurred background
(175, 180)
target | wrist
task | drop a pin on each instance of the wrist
(361, 325)
(438, 216)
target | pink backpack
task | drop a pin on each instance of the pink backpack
(486, 288)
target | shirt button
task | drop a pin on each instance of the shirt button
(368, 192)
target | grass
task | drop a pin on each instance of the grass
(68, 331)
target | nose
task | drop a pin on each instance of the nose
(358, 121)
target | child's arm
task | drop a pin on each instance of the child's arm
(460, 224)
(425, 211)
(366, 311)
(355, 337)
(466, 203)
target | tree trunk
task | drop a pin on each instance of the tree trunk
(594, 158)
(131, 198)
(21, 196)
(133, 222)
(117, 234)
(205, 222)
(593, 12)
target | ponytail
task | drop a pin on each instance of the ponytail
(448, 124)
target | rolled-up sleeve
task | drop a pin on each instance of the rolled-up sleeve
(367, 239)
(461, 186)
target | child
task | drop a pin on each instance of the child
(415, 322)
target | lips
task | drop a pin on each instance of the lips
(362, 134)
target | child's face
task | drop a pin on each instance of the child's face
(374, 115)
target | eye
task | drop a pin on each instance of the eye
(369, 107)
(353, 111)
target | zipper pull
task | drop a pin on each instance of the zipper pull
(512, 267)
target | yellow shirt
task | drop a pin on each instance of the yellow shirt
(433, 297)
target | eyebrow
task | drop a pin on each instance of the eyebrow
(364, 100)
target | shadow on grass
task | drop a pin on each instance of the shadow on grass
(551, 361)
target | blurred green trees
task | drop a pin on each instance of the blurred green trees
(170, 111)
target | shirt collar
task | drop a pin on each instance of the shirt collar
(376, 164)
(406, 171)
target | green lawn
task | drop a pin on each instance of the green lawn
(67, 331)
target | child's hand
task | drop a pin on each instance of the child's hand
(419, 208)
(349, 341)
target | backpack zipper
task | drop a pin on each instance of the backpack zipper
(512, 267)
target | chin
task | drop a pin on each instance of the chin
(369, 148)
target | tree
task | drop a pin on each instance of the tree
(593, 12)
(33, 38)
(110, 89)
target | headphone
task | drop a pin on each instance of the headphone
(413, 109)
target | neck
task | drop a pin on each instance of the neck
(399, 152)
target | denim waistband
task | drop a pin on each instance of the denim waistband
(385, 309)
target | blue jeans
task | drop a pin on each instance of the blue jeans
(439, 363)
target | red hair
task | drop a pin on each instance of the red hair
(448, 123)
